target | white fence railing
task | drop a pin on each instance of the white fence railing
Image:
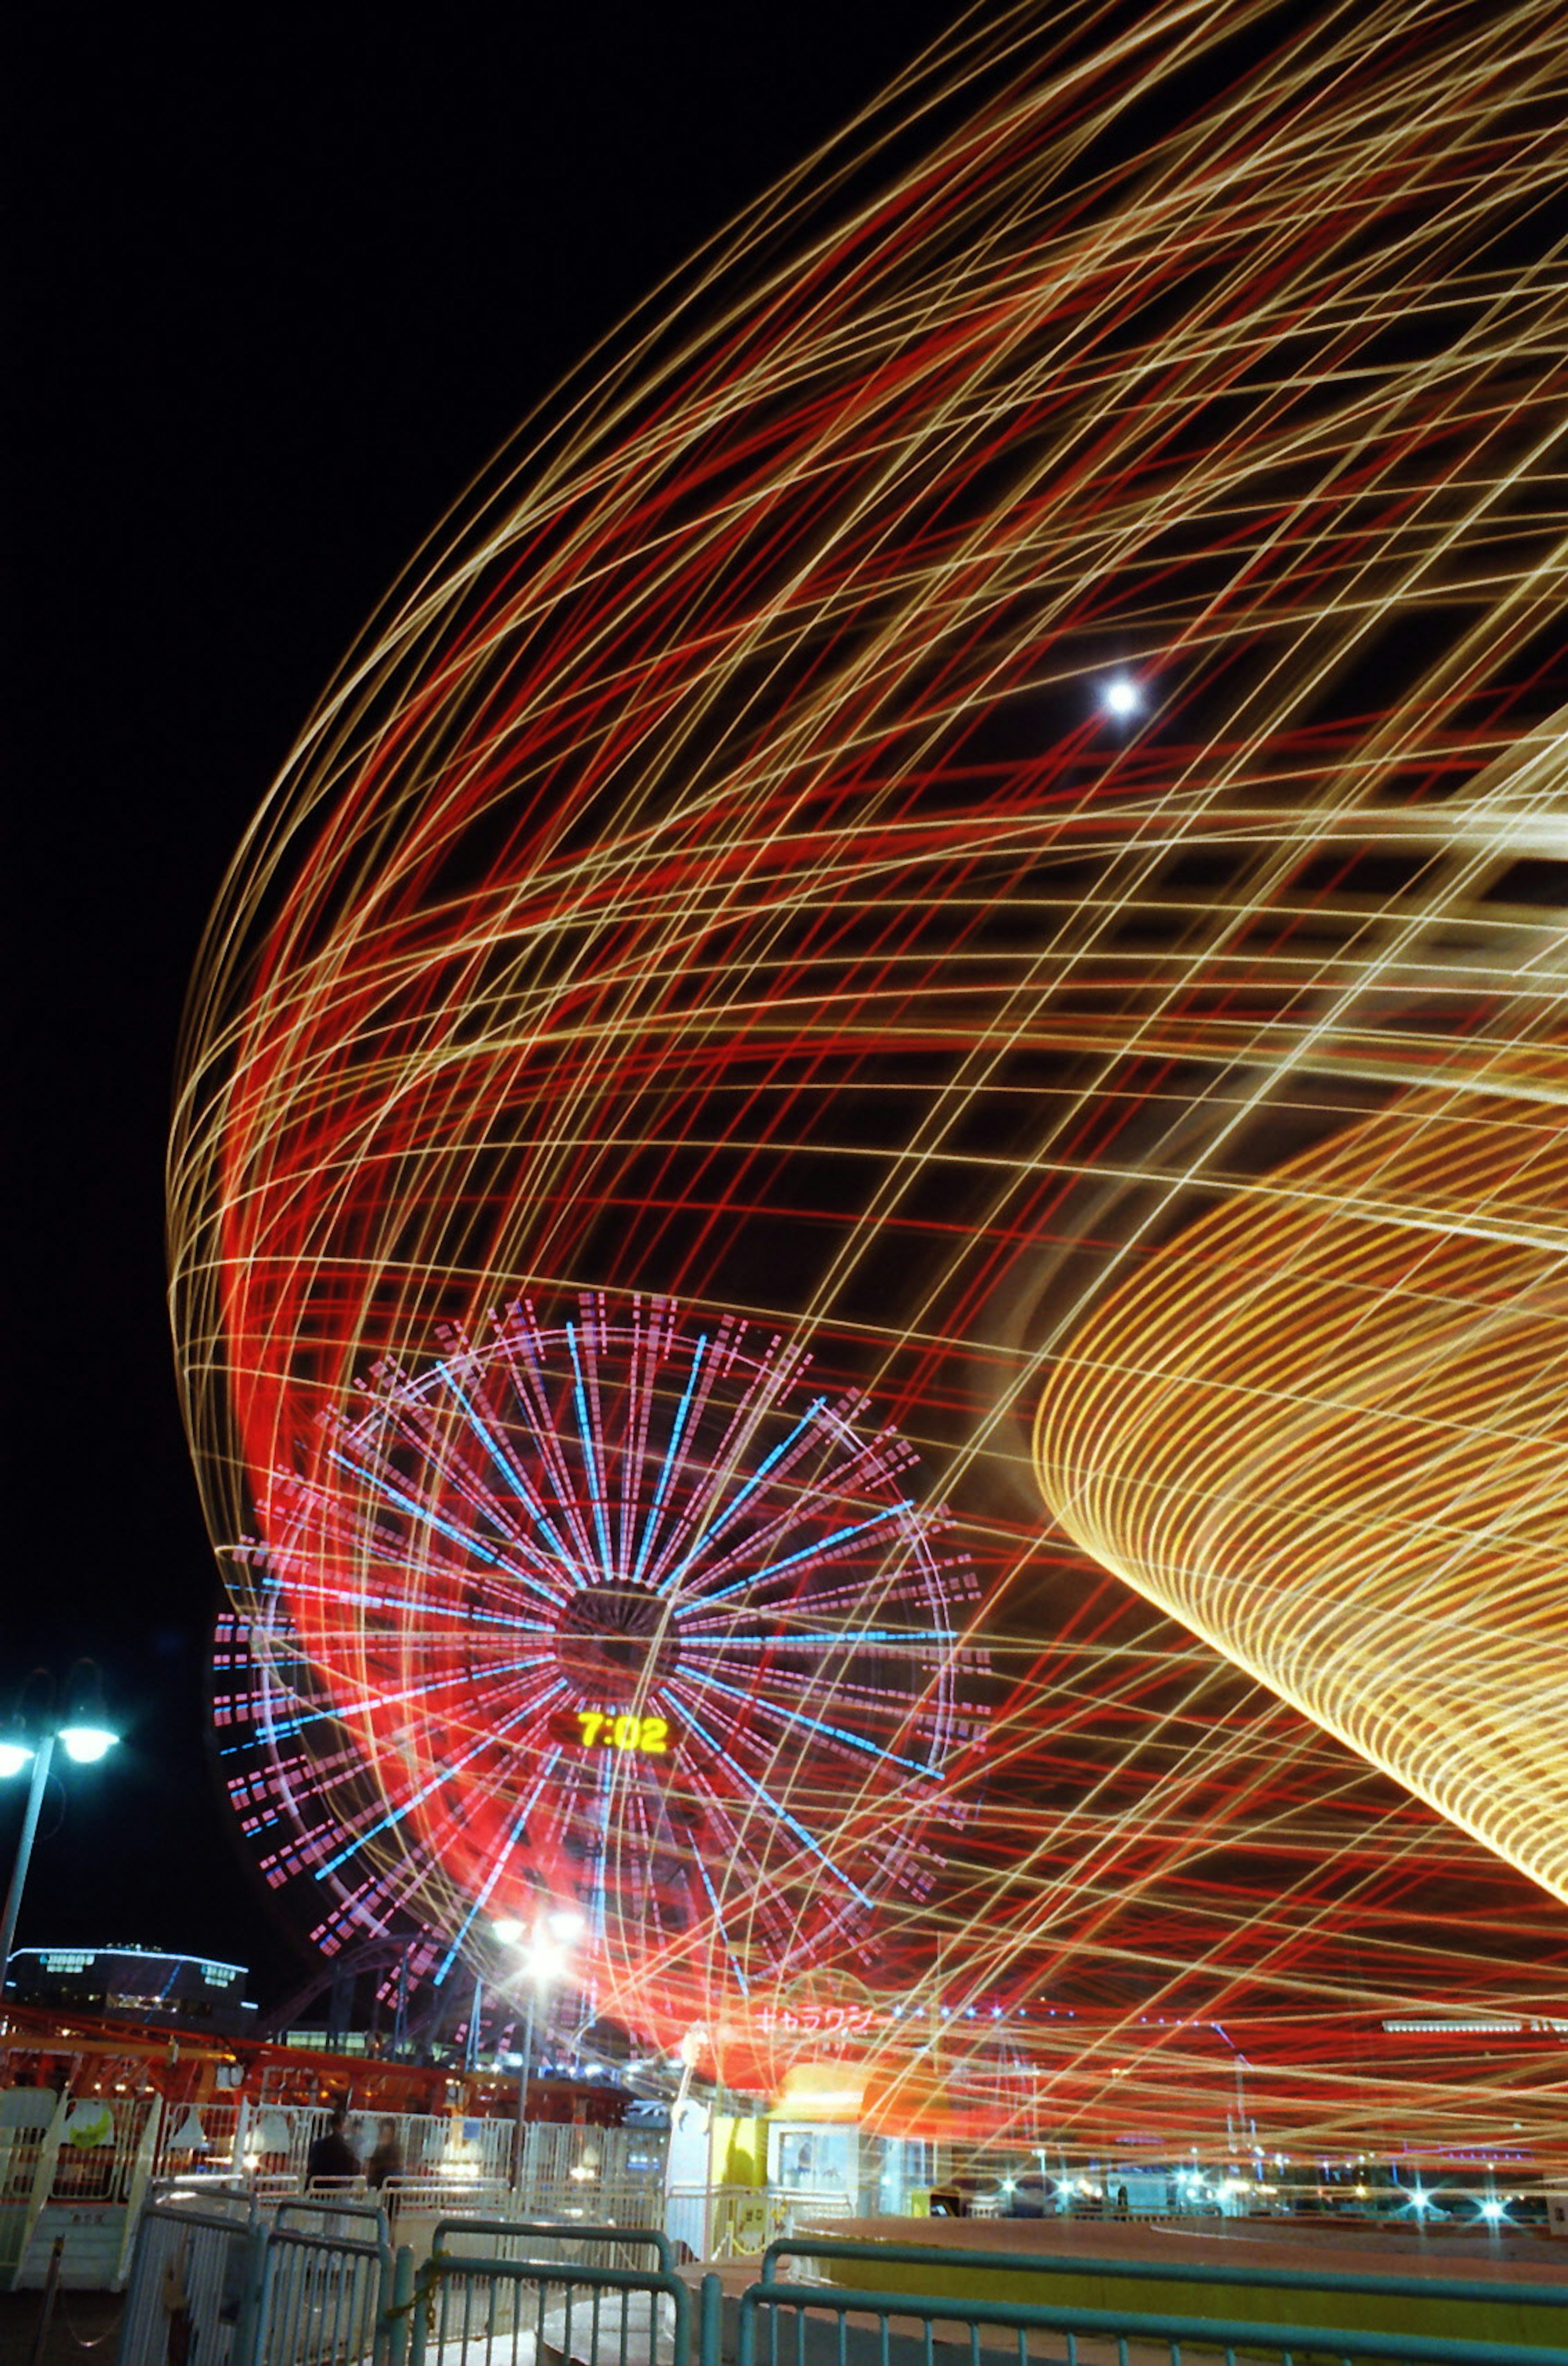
(272, 2141)
(82, 2166)
(77, 2167)
(738, 2222)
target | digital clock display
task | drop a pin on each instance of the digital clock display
(598, 1728)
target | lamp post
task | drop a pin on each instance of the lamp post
(29, 1738)
(546, 1953)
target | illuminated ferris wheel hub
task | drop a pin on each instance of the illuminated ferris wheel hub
(610, 1636)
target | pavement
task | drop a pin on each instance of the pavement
(1304, 2246)
(1496, 2286)
(83, 2324)
(82, 2328)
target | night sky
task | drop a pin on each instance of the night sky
(279, 289)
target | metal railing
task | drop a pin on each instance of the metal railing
(417, 2207)
(442, 2196)
(953, 2257)
(1384, 2302)
(719, 2222)
(324, 2298)
(511, 2293)
(543, 2242)
(738, 2221)
(194, 2284)
(211, 2281)
(513, 2313)
(792, 2325)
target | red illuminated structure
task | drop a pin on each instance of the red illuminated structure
(621, 1614)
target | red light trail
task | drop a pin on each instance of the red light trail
(718, 877)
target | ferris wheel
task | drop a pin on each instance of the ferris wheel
(622, 1611)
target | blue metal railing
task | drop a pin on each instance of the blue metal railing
(323, 2296)
(957, 2260)
(196, 2273)
(507, 2234)
(513, 2312)
(903, 2330)
(259, 2294)
(322, 2213)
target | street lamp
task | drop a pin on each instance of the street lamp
(29, 1738)
(546, 1953)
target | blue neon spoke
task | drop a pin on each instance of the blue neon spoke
(537, 1414)
(395, 1815)
(502, 1852)
(460, 1537)
(738, 1502)
(443, 1774)
(595, 1477)
(765, 1540)
(469, 1542)
(788, 1639)
(795, 1826)
(444, 1454)
(735, 1963)
(807, 1554)
(670, 1455)
(789, 1716)
(352, 1597)
(511, 1470)
(301, 1717)
(411, 1504)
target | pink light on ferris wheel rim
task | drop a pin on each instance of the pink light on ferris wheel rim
(631, 1519)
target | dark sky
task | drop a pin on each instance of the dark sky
(280, 284)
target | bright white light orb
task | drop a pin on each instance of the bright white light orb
(13, 1758)
(545, 1961)
(1121, 697)
(87, 1743)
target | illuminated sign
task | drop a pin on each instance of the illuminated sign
(597, 1729)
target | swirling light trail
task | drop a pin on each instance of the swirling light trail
(1326, 1429)
(712, 878)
